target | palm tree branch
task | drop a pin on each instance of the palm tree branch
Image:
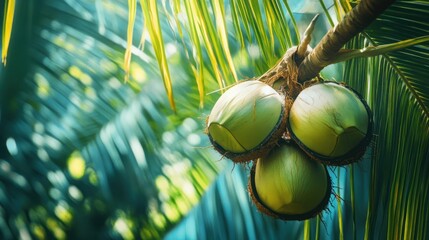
(353, 23)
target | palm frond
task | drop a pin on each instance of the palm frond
(394, 86)
(411, 24)
(88, 152)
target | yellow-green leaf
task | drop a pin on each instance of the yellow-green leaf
(199, 65)
(150, 13)
(132, 5)
(9, 11)
(219, 12)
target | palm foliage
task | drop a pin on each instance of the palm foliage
(86, 155)
(400, 160)
(85, 152)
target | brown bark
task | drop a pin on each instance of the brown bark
(352, 24)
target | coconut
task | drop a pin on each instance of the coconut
(287, 184)
(247, 121)
(331, 122)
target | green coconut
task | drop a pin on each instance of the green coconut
(331, 122)
(246, 121)
(287, 184)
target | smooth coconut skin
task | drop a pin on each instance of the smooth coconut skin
(245, 117)
(289, 185)
(329, 120)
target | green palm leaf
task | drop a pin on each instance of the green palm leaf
(395, 86)
(85, 152)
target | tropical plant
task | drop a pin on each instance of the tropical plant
(96, 145)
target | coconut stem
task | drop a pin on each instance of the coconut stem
(302, 47)
(281, 70)
(352, 24)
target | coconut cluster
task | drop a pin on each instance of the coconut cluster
(291, 134)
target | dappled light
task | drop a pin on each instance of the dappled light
(76, 165)
(89, 144)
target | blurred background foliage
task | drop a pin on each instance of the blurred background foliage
(86, 155)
